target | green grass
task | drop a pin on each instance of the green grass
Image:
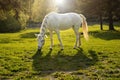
(98, 58)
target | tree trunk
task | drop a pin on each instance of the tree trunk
(30, 13)
(16, 14)
(101, 23)
(111, 26)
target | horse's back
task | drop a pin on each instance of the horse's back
(65, 15)
(63, 21)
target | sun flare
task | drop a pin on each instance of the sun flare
(59, 2)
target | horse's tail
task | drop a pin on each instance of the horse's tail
(84, 27)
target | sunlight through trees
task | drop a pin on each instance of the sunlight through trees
(35, 10)
(59, 2)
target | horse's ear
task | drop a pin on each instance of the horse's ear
(36, 35)
(46, 36)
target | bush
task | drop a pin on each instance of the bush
(10, 25)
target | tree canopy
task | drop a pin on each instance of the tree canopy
(103, 8)
(13, 10)
(25, 10)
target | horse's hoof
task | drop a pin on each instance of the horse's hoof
(50, 48)
(39, 50)
(62, 49)
(74, 48)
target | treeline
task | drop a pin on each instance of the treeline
(103, 9)
(13, 15)
(17, 14)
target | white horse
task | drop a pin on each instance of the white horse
(56, 22)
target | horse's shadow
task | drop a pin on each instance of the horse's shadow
(106, 35)
(49, 64)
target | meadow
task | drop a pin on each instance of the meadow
(96, 59)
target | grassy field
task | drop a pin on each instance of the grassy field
(97, 59)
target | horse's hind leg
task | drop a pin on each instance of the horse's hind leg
(51, 38)
(79, 40)
(59, 38)
(76, 30)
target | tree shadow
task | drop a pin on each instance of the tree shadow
(30, 35)
(106, 35)
(49, 64)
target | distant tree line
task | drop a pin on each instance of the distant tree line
(103, 9)
(17, 14)
(13, 15)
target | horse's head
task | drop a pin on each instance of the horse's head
(40, 40)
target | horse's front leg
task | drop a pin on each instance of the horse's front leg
(59, 38)
(51, 39)
(77, 37)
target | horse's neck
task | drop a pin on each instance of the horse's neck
(43, 31)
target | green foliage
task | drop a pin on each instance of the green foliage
(23, 20)
(103, 9)
(13, 15)
(97, 59)
(9, 25)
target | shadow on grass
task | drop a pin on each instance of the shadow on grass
(30, 35)
(106, 35)
(49, 64)
(5, 40)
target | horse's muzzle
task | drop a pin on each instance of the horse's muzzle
(39, 48)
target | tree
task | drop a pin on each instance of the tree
(9, 5)
(14, 10)
(40, 8)
(102, 8)
(112, 8)
(92, 8)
